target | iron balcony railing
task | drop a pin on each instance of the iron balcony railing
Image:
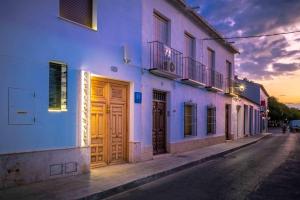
(194, 70)
(215, 79)
(230, 86)
(165, 59)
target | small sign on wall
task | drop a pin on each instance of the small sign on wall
(137, 97)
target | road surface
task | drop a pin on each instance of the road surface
(269, 169)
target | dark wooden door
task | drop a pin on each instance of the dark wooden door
(159, 127)
(227, 122)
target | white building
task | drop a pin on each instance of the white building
(251, 109)
(98, 82)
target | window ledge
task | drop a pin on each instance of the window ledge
(78, 24)
(60, 110)
(191, 137)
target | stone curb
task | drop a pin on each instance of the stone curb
(153, 177)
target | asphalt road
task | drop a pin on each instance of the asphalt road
(269, 169)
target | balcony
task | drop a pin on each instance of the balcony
(215, 81)
(194, 72)
(230, 87)
(165, 61)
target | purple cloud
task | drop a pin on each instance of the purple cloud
(281, 67)
(253, 17)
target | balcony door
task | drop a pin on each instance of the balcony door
(189, 50)
(211, 59)
(189, 54)
(211, 66)
(160, 29)
(229, 76)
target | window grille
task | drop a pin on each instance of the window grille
(159, 96)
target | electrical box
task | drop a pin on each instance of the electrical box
(21, 107)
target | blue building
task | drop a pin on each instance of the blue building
(91, 83)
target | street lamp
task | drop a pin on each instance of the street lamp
(242, 87)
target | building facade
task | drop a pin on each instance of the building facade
(251, 109)
(87, 84)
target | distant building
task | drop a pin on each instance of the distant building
(253, 104)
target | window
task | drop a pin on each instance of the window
(160, 29)
(211, 59)
(79, 11)
(190, 119)
(211, 120)
(57, 87)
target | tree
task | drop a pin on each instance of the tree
(281, 112)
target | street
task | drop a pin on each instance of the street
(268, 169)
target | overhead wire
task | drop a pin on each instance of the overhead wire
(251, 36)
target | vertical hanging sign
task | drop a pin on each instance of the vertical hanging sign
(85, 105)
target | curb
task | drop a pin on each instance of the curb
(153, 177)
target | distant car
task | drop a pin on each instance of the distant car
(294, 125)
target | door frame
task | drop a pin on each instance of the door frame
(127, 137)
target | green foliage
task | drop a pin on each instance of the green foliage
(280, 111)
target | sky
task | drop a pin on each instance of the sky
(271, 61)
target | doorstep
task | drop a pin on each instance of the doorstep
(107, 181)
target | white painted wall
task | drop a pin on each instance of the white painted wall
(178, 92)
(32, 34)
(238, 124)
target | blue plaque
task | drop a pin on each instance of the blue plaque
(137, 97)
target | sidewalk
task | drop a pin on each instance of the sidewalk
(107, 181)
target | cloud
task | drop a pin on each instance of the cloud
(229, 21)
(282, 67)
(253, 17)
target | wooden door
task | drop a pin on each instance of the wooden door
(227, 121)
(159, 123)
(108, 122)
(98, 123)
(245, 119)
(117, 123)
(251, 120)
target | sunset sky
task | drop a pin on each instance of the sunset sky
(272, 61)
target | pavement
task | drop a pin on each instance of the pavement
(108, 181)
(266, 170)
